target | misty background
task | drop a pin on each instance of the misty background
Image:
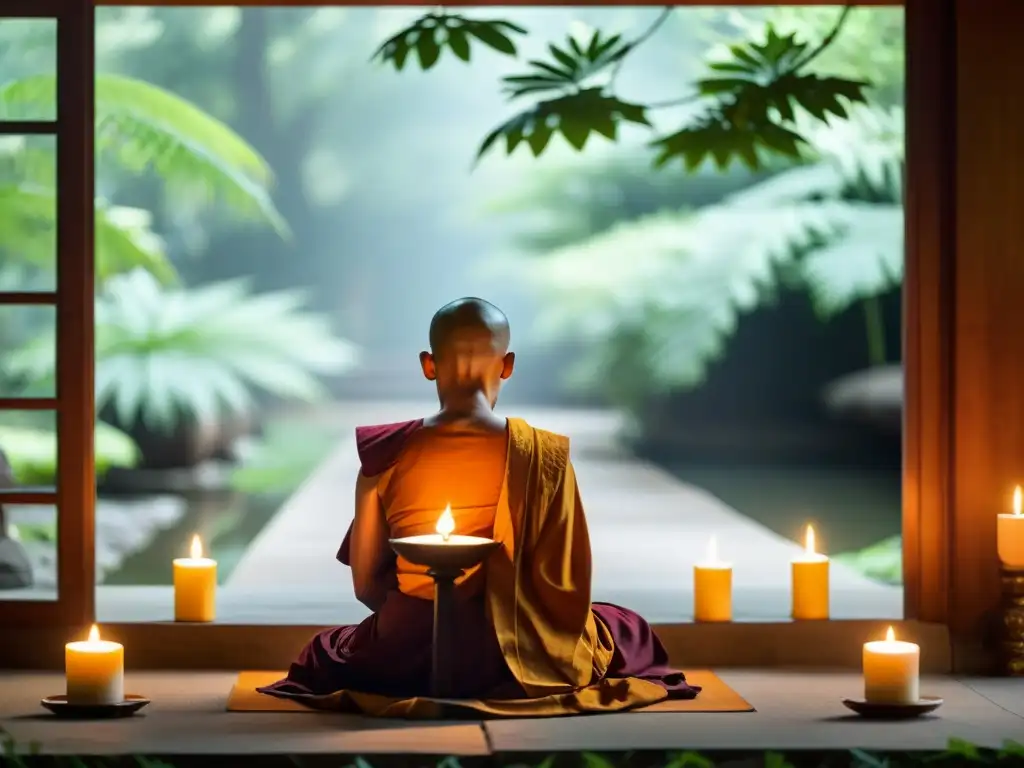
(279, 217)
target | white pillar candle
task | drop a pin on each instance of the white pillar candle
(195, 586)
(1010, 535)
(712, 587)
(94, 671)
(892, 671)
(810, 572)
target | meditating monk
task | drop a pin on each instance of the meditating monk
(530, 640)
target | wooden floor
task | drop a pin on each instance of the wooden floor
(795, 710)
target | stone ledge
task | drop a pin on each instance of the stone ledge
(795, 710)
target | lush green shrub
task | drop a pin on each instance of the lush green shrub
(167, 355)
(32, 452)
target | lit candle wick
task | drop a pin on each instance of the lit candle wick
(809, 542)
(197, 548)
(1016, 500)
(713, 550)
(94, 634)
(446, 523)
(890, 636)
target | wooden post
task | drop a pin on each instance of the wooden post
(965, 306)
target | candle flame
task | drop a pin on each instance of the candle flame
(446, 523)
(1016, 500)
(94, 634)
(890, 636)
(197, 548)
(713, 550)
(809, 540)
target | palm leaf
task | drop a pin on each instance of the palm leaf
(675, 285)
(142, 126)
(683, 279)
(124, 241)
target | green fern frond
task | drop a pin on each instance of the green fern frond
(681, 282)
(861, 257)
(124, 240)
(868, 150)
(683, 279)
(142, 126)
(164, 354)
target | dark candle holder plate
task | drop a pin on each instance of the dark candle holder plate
(875, 711)
(61, 707)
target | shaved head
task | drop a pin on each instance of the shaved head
(469, 318)
(468, 354)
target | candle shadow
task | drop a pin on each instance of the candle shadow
(66, 719)
(874, 720)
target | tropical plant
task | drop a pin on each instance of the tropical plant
(663, 293)
(870, 46)
(31, 449)
(558, 204)
(138, 127)
(169, 356)
(752, 101)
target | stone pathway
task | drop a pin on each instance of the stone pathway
(647, 529)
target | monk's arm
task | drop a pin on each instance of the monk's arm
(370, 551)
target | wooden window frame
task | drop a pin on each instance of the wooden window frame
(73, 300)
(938, 602)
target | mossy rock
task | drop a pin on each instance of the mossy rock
(32, 453)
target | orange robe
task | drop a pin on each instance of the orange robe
(435, 469)
(555, 652)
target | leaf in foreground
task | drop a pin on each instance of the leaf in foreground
(570, 65)
(576, 117)
(430, 34)
(141, 126)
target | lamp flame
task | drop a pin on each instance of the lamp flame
(196, 551)
(890, 635)
(446, 523)
(809, 540)
(1016, 500)
(713, 550)
(94, 634)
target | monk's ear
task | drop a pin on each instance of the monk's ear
(427, 364)
(507, 364)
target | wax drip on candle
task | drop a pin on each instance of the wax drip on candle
(446, 523)
(94, 634)
(1016, 500)
(196, 551)
(809, 541)
(890, 636)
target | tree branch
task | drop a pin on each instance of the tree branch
(799, 64)
(643, 38)
(826, 41)
(693, 97)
